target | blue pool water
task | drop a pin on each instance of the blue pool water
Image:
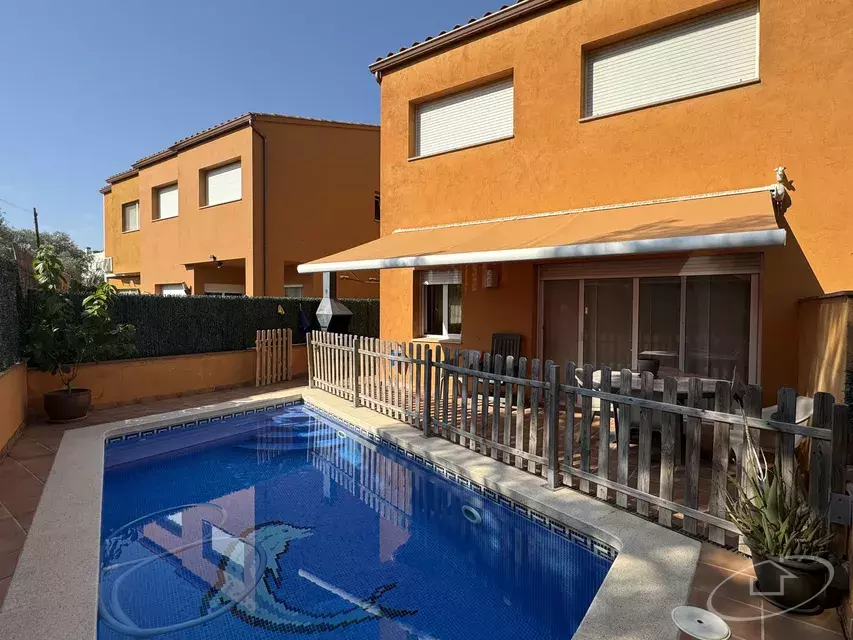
(286, 524)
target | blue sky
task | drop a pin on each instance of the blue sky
(87, 88)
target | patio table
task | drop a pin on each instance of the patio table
(682, 382)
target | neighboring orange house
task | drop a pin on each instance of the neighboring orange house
(600, 177)
(261, 193)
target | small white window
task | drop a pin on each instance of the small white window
(223, 184)
(441, 304)
(130, 217)
(293, 290)
(215, 289)
(166, 202)
(465, 119)
(700, 55)
(177, 290)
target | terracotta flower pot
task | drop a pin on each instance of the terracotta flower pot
(62, 406)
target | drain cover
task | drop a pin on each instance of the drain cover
(701, 624)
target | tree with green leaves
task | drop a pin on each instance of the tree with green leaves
(74, 259)
(61, 337)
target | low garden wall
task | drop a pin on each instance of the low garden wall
(13, 403)
(122, 382)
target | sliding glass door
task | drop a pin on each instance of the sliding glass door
(703, 325)
(607, 322)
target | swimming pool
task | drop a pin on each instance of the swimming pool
(286, 523)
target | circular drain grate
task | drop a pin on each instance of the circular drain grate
(701, 624)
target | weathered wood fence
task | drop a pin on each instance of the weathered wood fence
(556, 422)
(273, 356)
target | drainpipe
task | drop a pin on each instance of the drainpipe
(263, 206)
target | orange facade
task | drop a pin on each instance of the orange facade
(307, 189)
(796, 114)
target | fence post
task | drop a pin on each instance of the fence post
(355, 371)
(309, 351)
(552, 408)
(427, 400)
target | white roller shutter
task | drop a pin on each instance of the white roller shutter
(173, 290)
(130, 217)
(442, 277)
(167, 202)
(465, 119)
(704, 54)
(224, 184)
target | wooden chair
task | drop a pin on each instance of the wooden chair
(506, 344)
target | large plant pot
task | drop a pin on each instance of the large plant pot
(62, 406)
(796, 585)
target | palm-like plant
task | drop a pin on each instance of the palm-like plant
(60, 338)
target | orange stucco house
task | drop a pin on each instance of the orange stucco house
(233, 209)
(601, 178)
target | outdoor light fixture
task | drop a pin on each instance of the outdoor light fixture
(218, 262)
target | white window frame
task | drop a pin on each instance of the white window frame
(123, 216)
(445, 312)
(704, 265)
(205, 175)
(158, 214)
(214, 288)
(301, 288)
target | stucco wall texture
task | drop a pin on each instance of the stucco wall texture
(307, 191)
(13, 400)
(128, 381)
(794, 116)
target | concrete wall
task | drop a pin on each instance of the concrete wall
(13, 402)
(825, 345)
(129, 381)
(795, 116)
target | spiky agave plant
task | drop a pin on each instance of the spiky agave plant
(776, 518)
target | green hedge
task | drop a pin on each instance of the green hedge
(169, 326)
(10, 330)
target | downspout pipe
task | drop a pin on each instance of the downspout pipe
(263, 205)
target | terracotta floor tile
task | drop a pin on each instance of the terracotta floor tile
(20, 490)
(11, 536)
(4, 587)
(40, 467)
(728, 584)
(4, 512)
(828, 619)
(796, 628)
(743, 619)
(8, 562)
(25, 519)
(48, 436)
(712, 554)
(26, 447)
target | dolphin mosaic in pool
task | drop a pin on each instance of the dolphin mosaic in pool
(267, 607)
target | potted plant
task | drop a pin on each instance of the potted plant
(61, 336)
(790, 543)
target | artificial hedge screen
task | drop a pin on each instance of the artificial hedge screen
(169, 326)
(10, 331)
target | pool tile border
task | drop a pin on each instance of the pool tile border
(589, 543)
(146, 434)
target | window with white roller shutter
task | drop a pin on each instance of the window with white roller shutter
(464, 119)
(166, 202)
(223, 184)
(704, 54)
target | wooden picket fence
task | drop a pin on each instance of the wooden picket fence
(541, 418)
(273, 356)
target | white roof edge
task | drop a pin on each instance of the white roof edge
(604, 207)
(717, 241)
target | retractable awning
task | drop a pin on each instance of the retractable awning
(717, 221)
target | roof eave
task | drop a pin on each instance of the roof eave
(465, 32)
